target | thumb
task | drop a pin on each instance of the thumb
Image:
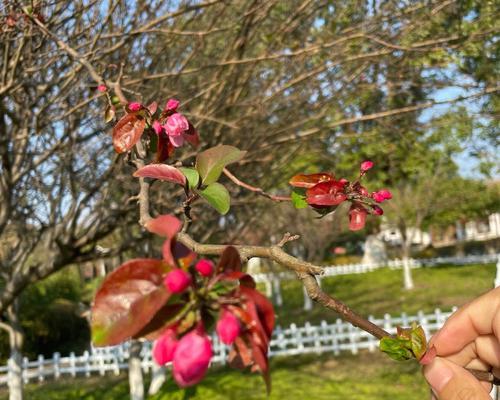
(452, 382)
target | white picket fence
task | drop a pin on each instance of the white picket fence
(326, 337)
(272, 281)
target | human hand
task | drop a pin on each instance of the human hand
(470, 338)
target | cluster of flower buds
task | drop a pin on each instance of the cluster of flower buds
(171, 128)
(176, 300)
(324, 193)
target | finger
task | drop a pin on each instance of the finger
(452, 382)
(480, 317)
(485, 348)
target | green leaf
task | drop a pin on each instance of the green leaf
(396, 348)
(211, 162)
(217, 196)
(191, 175)
(299, 199)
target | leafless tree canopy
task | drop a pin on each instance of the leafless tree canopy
(278, 78)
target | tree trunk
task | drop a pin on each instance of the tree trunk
(407, 276)
(16, 337)
(135, 377)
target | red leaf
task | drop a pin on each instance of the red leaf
(260, 357)
(127, 300)
(164, 148)
(264, 308)
(127, 132)
(191, 136)
(245, 279)
(184, 257)
(229, 261)
(161, 321)
(326, 194)
(308, 181)
(163, 172)
(164, 225)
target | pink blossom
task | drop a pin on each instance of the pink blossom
(366, 165)
(343, 181)
(175, 126)
(177, 280)
(164, 347)
(134, 106)
(102, 88)
(172, 105)
(204, 267)
(386, 194)
(157, 127)
(357, 217)
(378, 197)
(377, 210)
(228, 327)
(191, 358)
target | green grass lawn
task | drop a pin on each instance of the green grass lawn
(379, 292)
(364, 376)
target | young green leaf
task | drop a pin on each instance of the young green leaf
(217, 196)
(299, 199)
(396, 348)
(211, 162)
(191, 175)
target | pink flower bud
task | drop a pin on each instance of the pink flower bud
(102, 88)
(366, 165)
(175, 126)
(177, 280)
(357, 217)
(343, 181)
(172, 105)
(157, 127)
(377, 210)
(164, 347)
(205, 267)
(191, 358)
(135, 106)
(386, 194)
(378, 197)
(228, 327)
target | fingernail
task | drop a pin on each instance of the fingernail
(438, 374)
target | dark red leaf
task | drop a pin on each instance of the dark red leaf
(184, 257)
(260, 357)
(229, 261)
(264, 307)
(245, 279)
(127, 300)
(161, 321)
(164, 148)
(191, 136)
(127, 132)
(308, 181)
(326, 194)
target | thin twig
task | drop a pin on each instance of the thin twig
(254, 188)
